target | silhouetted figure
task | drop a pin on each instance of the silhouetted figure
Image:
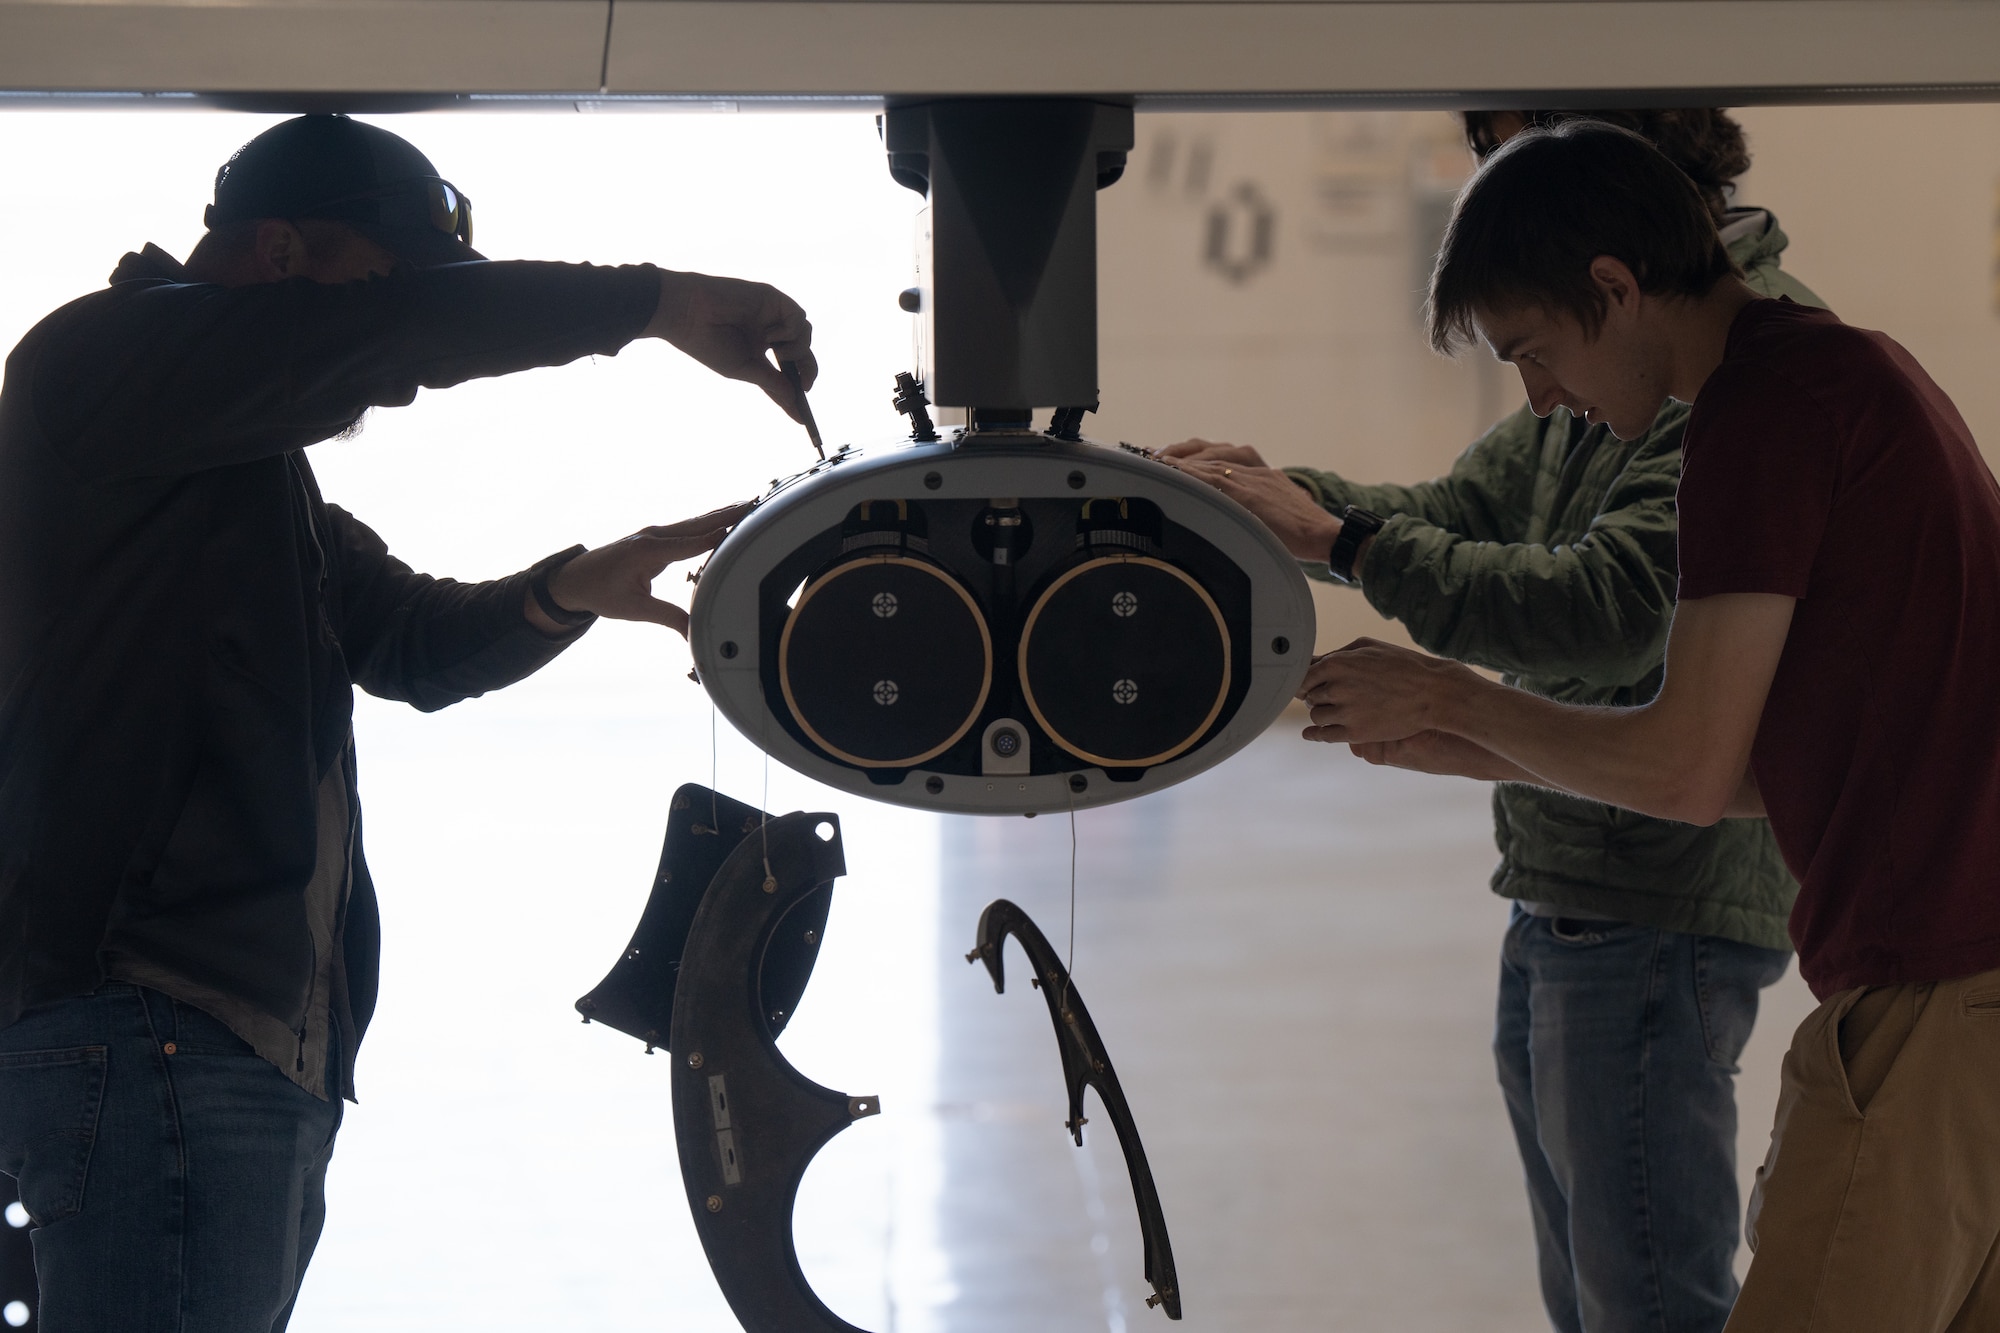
(188, 932)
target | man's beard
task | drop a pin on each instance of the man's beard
(353, 429)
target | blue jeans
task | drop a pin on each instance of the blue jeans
(174, 1179)
(1617, 1049)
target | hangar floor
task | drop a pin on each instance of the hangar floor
(1291, 959)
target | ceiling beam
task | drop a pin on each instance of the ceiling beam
(386, 54)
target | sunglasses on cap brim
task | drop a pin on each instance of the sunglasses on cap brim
(422, 201)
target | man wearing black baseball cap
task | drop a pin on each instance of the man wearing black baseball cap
(188, 932)
(341, 170)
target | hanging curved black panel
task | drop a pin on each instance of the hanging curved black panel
(636, 996)
(1124, 660)
(1086, 1064)
(747, 1123)
(730, 933)
(885, 661)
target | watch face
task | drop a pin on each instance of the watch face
(1356, 526)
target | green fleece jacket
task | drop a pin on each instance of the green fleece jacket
(1547, 554)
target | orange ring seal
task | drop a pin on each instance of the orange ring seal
(785, 673)
(1028, 690)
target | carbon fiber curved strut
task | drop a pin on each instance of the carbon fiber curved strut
(734, 948)
(1086, 1064)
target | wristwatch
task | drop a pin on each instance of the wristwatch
(1356, 527)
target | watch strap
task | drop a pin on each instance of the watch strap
(1356, 526)
(538, 588)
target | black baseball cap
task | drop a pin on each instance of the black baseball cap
(340, 170)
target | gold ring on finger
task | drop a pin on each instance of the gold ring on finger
(1225, 472)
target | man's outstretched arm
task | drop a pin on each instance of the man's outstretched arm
(431, 642)
(1684, 756)
(1455, 756)
(1456, 565)
(179, 377)
(616, 580)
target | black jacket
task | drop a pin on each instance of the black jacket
(182, 616)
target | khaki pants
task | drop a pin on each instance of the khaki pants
(1878, 1208)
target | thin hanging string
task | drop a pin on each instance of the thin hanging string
(1069, 968)
(764, 805)
(714, 818)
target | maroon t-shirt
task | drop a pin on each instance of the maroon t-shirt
(1822, 463)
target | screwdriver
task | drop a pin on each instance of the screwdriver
(790, 370)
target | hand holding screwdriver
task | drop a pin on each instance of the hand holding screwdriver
(790, 370)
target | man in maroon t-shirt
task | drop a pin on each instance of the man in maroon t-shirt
(1830, 665)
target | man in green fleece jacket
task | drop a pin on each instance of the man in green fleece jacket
(1637, 947)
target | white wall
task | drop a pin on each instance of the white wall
(1262, 282)
(1894, 214)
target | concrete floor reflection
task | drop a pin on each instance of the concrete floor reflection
(1292, 962)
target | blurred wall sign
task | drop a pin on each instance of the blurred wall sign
(1177, 166)
(1238, 241)
(1358, 173)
